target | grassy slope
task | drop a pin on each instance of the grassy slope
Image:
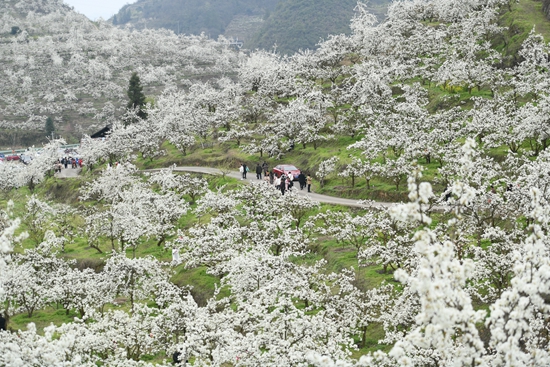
(524, 16)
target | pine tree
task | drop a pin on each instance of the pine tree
(137, 98)
(50, 128)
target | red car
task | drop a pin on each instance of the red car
(278, 170)
(12, 158)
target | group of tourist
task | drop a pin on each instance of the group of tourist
(284, 182)
(65, 161)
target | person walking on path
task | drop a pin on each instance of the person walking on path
(258, 172)
(282, 184)
(265, 167)
(245, 170)
(308, 180)
(271, 177)
(288, 183)
(302, 180)
(290, 179)
(241, 170)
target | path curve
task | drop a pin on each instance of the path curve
(317, 197)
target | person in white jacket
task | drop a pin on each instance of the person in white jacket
(241, 170)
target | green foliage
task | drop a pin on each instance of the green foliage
(136, 96)
(50, 128)
(18, 137)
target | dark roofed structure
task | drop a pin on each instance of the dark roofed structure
(101, 133)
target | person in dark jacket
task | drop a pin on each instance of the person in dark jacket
(302, 180)
(282, 185)
(3, 323)
(259, 171)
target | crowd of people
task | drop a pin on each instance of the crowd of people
(283, 182)
(66, 161)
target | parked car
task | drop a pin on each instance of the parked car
(2, 156)
(279, 169)
(12, 157)
(26, 159)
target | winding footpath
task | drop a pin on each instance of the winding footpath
(317, 197)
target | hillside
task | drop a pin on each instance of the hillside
(57, 63)
(291, 24)
(302, 24)
(72, 76)
(191, 16)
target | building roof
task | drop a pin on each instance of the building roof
(101, 133)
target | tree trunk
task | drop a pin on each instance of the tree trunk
(364, 337)
(95, 247)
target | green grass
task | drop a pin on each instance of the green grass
(42, 318)
(528, 14)
(523, 17)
